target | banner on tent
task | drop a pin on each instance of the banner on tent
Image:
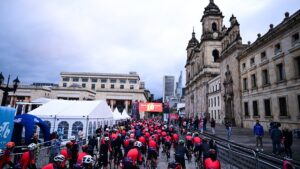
(150, 107)
(6, 124)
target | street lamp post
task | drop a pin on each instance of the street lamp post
(7, 89)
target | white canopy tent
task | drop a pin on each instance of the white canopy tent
(117, 115)
(125, 115)
(68, 117)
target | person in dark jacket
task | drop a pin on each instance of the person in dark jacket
(93, 142)
(196, 123)
(204, 149)
(258, 131)
(213, 145)
(180, 151)
(287, 141)
(276, 136)
(213, 125)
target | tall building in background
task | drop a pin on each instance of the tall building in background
(168, 87)
(178, 90)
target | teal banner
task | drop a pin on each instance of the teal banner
(6, 124)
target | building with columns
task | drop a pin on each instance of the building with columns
(258, 81)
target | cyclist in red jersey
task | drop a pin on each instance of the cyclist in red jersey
(82, 154)
(133, 157)
(66, 152)
(57, 163)
(152, 150)
(28, 158)
(196, 142)
(175, 140)
(143, 141)
(189, 141)
(5, 158)
(212, 162)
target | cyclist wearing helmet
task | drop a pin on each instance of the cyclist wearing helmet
(133, 157)
(175, 139)
(189, 141)
(74, 151)
(180, 152)
(5, 157)
(28, 158)
(212, 162)
(104, 148)
(66, 152)
(152, 150)
(196, 142)
(87, 162)
(57, 163)
(82, 154)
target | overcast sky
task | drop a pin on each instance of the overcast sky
(40, 39)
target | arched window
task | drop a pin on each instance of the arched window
(214, 27)
(63, 127)
(215, 54)
(78, 125)
(90, 128)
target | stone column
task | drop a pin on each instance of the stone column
(126, 105)
(112, 105)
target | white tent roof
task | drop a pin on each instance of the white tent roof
(75, 109)
(117, 115)
(41, 100)
(125, 115)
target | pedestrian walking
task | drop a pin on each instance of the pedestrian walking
(258, 131)
(213, 125)
(229, 129)
(276, 136)
(287, 141)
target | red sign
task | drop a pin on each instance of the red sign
(150, 107)
(173, 116)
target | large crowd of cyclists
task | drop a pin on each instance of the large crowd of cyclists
(127, 145)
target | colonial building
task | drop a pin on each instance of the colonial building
(202, 65)
(214, 99)
(270, 75)
(257, 81)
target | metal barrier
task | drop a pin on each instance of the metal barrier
(238, 156)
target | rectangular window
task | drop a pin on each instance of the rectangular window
(102, 86)
(267, 107)
(113, 80)
(282, 106)
(245, 84)
(131, 87)
(84, 79)
(208, 102)
(297, 65)
(255, 108)
(218, 101)
(66, 79)
(64, 84)
(83, 85)
(263, 56)
(132, 81)
(246, 109)
(243, 66)
(93, 86)
(112, 86)
(121, 86)
(219, 114)
(265, 77)
(122, 80)
(103, 80)
(215, 102)
(75, 79)
(253, 81)
(94, 80)
(295, 38)
(280, 72)
(277, 48)
(252, 61)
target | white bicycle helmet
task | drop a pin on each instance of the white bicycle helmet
(138, 144)
(87, 159)
(59, 158)
(32, 146)
(1, 152)
(72, 138)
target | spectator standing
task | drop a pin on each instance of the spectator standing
(229, 129)
(258, 131)
(213, 125)
(196, 123)
(287, 141)
(54, 149)
(276, 136)
(204, 123)
(80, 137)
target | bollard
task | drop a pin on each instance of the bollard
(256, 159)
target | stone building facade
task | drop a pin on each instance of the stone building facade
(270, 75)
(214, 99)
(202, 65)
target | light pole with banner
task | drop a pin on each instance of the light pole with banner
(7, 89)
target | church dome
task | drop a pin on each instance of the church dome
(193, 41)
(212, 9)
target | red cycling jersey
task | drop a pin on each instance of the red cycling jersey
(48, 166)
(134, 155)
(80, 157)
(27, 159)
(175, 137)
(126, 143)
(152, 144)
(197, 140)
(168, 139)
(142, 140)
(209, 164)
(188, 138)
